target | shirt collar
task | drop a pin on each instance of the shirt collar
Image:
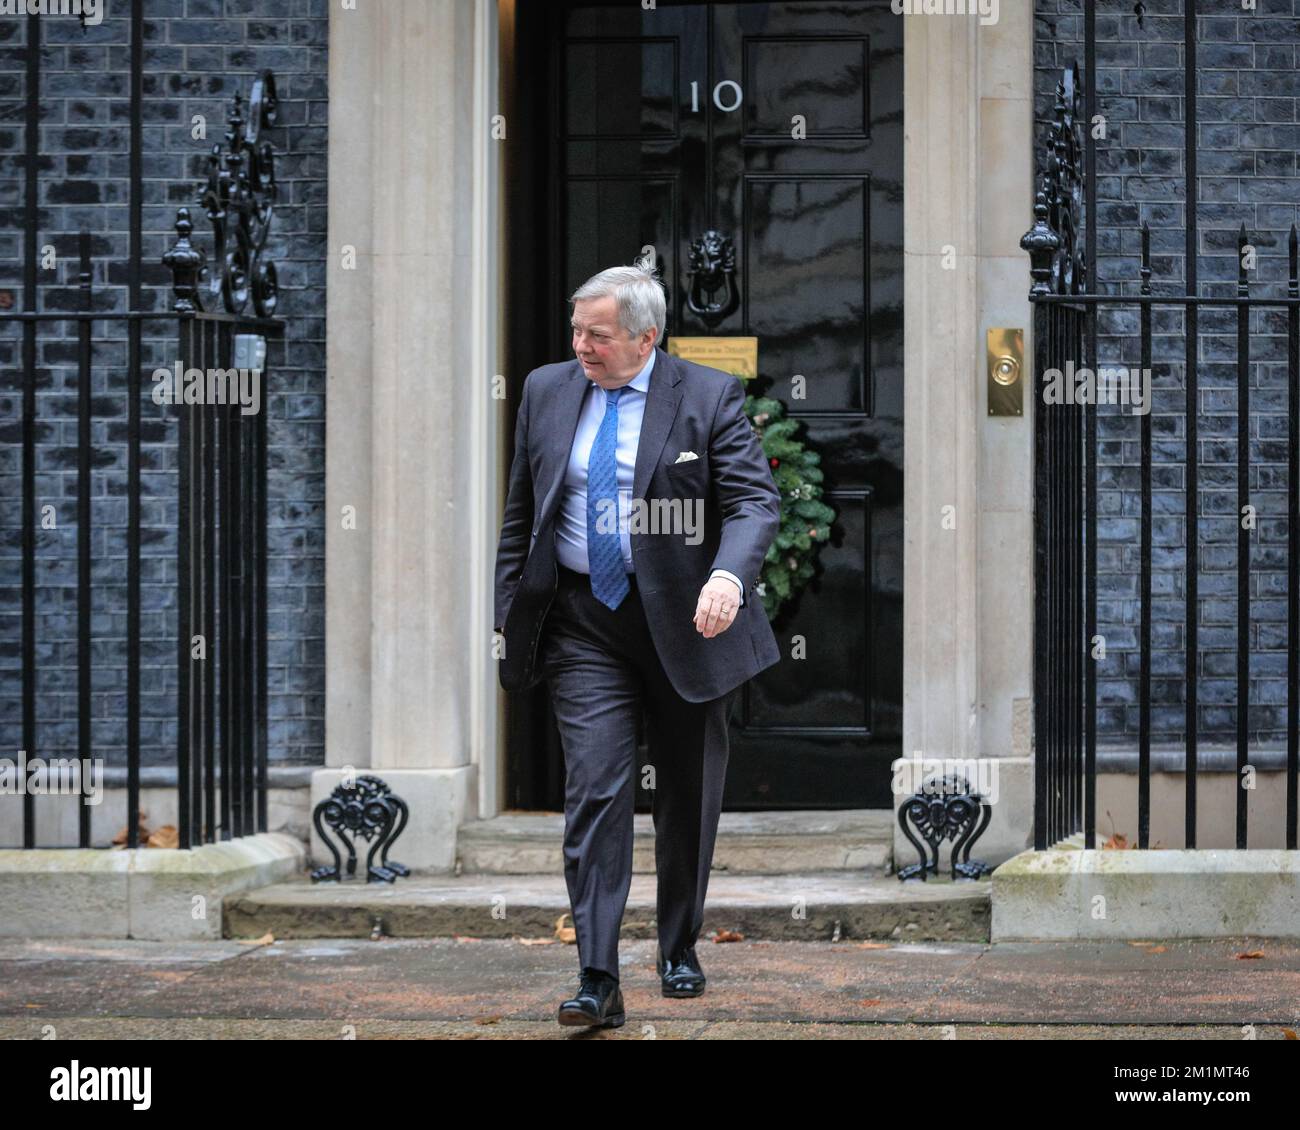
(641, 382)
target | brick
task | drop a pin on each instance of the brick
(1248, 138)
(190, 49)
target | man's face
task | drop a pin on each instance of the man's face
(609, 356)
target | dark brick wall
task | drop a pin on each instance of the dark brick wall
(198, 53)
(1248, 135)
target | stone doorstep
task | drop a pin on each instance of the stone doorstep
(1069, 893)
(529, 906)
(141, 893)
(748, 843)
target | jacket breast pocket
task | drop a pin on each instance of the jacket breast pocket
(687, 486)
(692, 471)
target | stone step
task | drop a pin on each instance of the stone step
(749, 843)
(812, 906)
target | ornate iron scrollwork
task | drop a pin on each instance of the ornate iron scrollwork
(945, 812)
(1054, 243)
(712, 268)
(369, 809)
(239, 199)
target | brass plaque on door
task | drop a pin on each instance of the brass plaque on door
(738, 355)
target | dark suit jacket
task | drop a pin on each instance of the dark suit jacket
(689, 408)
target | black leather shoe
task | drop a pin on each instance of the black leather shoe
(680, 975)
(599, 1002)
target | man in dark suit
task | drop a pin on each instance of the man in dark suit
(640, 508)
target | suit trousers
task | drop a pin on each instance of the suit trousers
(603, 671)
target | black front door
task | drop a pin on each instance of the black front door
(780, 126)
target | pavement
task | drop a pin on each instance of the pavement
(494, 988)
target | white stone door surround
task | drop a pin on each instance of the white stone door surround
(416, 443)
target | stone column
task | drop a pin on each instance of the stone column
(1005, 210)
(968, 547)
(940, 399)
(411, 432)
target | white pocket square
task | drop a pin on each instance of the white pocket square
(685, 457)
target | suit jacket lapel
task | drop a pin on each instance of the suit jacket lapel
(660, 410)
(562, 425)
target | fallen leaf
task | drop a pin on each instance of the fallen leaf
(728, 936)
(1117, 841)
(536, 941)
(565, 933)
(870, 1002)
(1249, 954)
(464, 938)
(141, 832)
(488, 1020)
(1289, 1033)
(265, 940)
(166, 837)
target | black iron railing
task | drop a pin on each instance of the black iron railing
(1062, 246)
(1059, 574)
(221, 550)
(220, 314)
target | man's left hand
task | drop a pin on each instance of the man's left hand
(717, 607)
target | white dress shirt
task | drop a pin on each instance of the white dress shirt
(571, 521)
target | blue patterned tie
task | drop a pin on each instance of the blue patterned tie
(604, 549)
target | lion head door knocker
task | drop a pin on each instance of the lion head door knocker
(712, 268)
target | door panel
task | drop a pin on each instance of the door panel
(674, 121)
(805, 241)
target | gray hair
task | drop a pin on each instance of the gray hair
(637, 293)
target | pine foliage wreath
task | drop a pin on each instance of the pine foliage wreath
(805, 519)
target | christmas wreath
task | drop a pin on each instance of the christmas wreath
(805, 519)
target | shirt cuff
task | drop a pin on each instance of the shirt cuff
(730, 577)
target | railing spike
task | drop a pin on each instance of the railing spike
(1042, 244)
(1243, 286)
(1293, 281)
(186, 262)
(1146, 258)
